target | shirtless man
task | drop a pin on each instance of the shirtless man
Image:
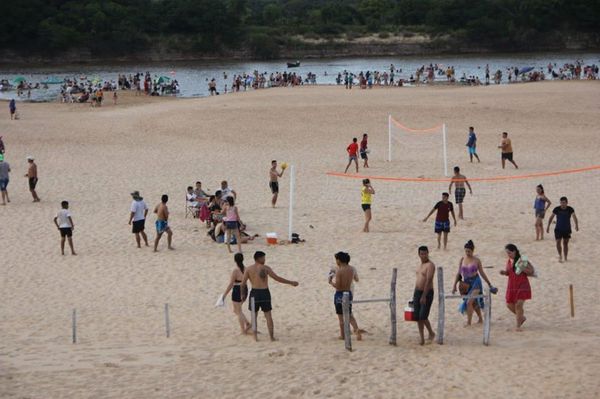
(162, 224)
(33, 178)
(423, 296)
(259, 274)
(342, 280)
(459, 192)
(273, 183)
(507, 150)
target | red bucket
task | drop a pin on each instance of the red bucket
(409, 313)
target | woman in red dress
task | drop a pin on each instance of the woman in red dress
(518, 289)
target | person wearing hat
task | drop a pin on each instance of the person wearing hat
(137, 218)
(32, 175)
(4, 171)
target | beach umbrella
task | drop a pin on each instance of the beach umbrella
(163, 79)
(19, 79)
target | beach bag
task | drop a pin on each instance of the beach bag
(521, 264)
(204, 213)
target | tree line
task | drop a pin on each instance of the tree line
(264, 26)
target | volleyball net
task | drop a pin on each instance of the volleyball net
(420, 148)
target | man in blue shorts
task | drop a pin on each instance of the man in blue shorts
(472, 145)
(4, 178)
(444, 209)
(562, 230)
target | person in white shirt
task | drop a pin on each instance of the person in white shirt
(227, 191)
(137, 218)
(64, 224)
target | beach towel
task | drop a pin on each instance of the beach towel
(220, 302)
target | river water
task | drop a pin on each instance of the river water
(193, 77)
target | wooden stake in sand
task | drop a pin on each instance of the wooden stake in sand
(346, 316)
(571, 302)
(74, 325)
(167, 323)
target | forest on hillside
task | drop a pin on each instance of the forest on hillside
(265, 26)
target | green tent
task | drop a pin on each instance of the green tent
(19, 79)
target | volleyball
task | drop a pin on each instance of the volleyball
(284, 165)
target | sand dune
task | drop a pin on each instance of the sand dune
(95, 157)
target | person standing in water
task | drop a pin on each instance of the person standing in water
(239, 292)
(274, 182)
(366, 192)
(342, 280)
(259, 274)
(423, 294)
(540, 206)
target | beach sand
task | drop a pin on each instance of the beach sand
(95, 157)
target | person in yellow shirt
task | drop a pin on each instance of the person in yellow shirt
(507, 150)
(366, 192)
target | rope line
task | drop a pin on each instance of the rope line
(429, 130)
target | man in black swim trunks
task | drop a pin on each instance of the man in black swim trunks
(259, 274)
(423, 295)
(562, 230)
(273, 182)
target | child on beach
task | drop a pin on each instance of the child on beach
(352, 150)
(342, 280)
(232, 223)
(444, 209)
(472, 145)
(423, 294)
(366, 192)
(162, 222)
(64, 224)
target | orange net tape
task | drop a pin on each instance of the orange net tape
(408, 129)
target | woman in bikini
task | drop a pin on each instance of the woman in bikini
(540, 205)
(468, 275)
(232, 223)
(518, 289)
(238, 292)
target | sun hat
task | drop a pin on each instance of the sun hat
(29, 158)
(136, 195)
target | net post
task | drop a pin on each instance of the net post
(393, 319)
(346, 315)
(253, 318)
(74, 326)
(488, 317)
(167, 321)
(389, 138)
(441, 306)
(291, 210)
(445, 143)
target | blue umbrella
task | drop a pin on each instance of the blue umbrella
(525, 70)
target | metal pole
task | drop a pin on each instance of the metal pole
(441, 306)
(393, 307)
(571, 301)
(253, 318)
(389, 138)
(291, 212)
(445, 150)
(167, 323)
(488, 317)
(346, 314)
(74, 325)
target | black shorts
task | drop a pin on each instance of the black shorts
(459, 195)
(365, 207)
(32, 182)
(562, 234)
(421, 312)
(66, 232)
(274, 186)
(507, 155)
(236, 293)
(138, 226)
(232, 225)
(262, 299)
(363, 155)
(337, 302)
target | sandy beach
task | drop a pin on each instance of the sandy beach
(95, 157)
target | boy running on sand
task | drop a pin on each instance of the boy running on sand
(423, 295)
(259, 274)
(444, 209)
(342, 280)
(162, 222)
(352, 150)
(64, 224)
(459, 192)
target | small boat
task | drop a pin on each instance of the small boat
(293, 64)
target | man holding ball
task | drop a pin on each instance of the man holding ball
(273, 180)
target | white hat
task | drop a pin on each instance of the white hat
(29, 158)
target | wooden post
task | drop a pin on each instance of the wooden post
(74, 325)
(488, 317)
(253, 318)
(571, 302)
(441, 306)
(346, 313)
(393, 307)
(167, 323)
